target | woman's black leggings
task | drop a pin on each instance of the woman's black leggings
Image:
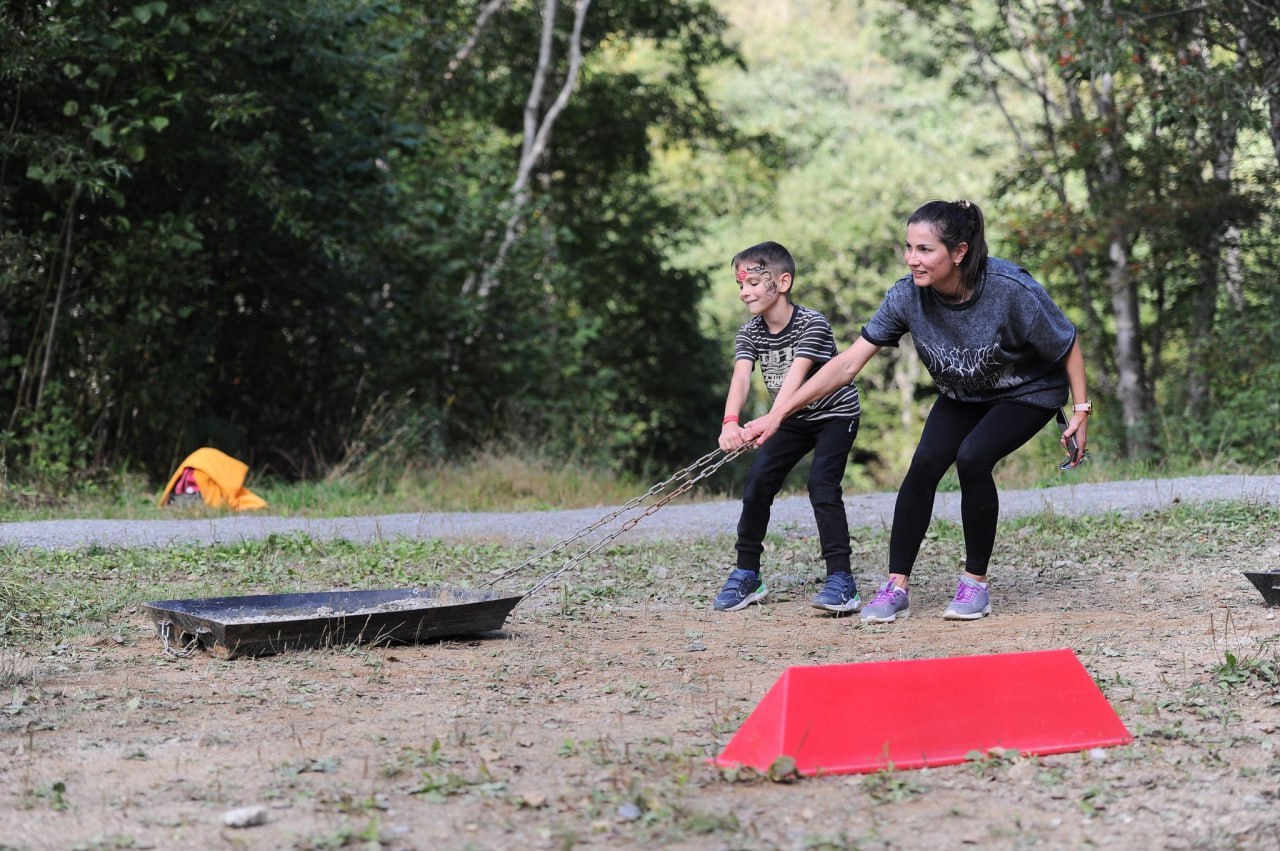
(973, 436)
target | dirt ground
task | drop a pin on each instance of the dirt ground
(590, 727)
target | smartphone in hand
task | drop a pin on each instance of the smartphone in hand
(1075, 455)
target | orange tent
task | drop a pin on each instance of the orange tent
(219, 478)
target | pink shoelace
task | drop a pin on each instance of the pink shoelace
(885, 595)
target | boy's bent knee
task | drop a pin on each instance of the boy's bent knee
(824, 493)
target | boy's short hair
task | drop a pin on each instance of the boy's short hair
(777, 258)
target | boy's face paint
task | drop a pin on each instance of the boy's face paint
(757, 288)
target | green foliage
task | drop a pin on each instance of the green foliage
(251, 224)
(247, 224)
(836, 148)
(1143, 195)
(56, 446)
(1240, 425)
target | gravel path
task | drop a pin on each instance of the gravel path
(677, 521)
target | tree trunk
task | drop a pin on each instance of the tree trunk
(1233, 267)
(1106, 181)
(63, 274)
(1263, 38)
(1204, 303)
(482, 20)
(1131, 381)
(537, 135)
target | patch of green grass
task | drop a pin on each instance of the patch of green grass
(347, 835)
(52, 596)
(1204, 529)
(1236, 671)
(652, 793)
(889, 787)
(110, 843)
(22, 606)
(991, 763)
(488, 480)
(52, 795)
(502, 479)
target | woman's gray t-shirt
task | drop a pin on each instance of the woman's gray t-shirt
(1007, 342)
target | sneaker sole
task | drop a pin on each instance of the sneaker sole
(753, 597)
(952, 615)
(902, 615)
(839, 608)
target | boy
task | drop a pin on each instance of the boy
(790, 342)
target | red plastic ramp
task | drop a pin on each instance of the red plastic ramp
(871, 716)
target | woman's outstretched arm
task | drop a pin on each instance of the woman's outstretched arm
(835, 373)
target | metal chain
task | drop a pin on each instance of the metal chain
(609, 518)
(688, 477)
(189, 650)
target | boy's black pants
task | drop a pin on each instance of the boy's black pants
(830, 441)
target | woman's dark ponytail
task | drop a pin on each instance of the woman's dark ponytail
(975, 259)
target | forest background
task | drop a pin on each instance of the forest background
(354, 236)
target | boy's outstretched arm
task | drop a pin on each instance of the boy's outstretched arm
(731, 434)
(837, 372)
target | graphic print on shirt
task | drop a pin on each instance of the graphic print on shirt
(774, 365)
(808, 335)
(956, 369)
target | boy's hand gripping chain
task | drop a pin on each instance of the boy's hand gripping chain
(680, 482)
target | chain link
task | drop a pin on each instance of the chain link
(189, 650)
(683, 480)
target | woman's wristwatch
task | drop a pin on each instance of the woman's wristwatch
(1083, 407)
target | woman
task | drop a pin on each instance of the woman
(1003, 357)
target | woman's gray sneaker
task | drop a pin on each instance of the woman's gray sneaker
(889, 604)
(972, 602)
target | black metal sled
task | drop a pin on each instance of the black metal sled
(1268, 584)
(263, 624)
